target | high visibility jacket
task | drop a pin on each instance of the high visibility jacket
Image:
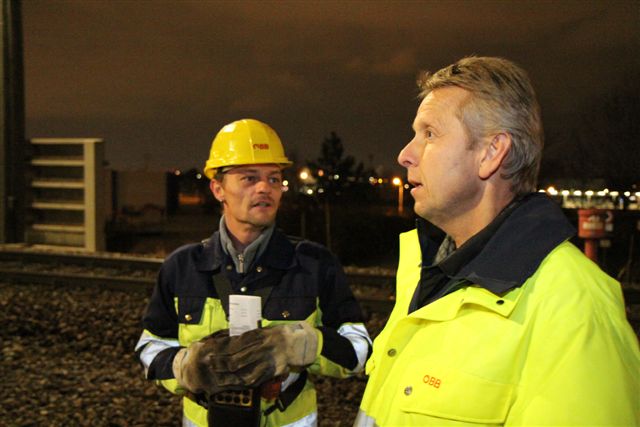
(555, 351)
(308, 284)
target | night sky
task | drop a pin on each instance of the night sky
(157, 79)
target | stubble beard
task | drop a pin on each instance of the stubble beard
(260, 222)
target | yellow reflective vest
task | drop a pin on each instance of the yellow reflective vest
(556, 351)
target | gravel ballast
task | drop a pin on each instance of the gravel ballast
(67, 359)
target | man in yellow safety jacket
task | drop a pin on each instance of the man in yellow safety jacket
(311, 322)
(505, 322)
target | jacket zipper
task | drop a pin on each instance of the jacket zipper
(240, 263)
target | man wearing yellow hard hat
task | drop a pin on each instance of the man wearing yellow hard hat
(310, 321)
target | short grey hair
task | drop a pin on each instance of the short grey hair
(502, 100)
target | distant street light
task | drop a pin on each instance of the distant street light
(398, 183)
(306, 179)
(589, 194)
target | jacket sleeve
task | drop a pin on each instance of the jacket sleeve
(345, 340)
(581, 369)
(158, 343)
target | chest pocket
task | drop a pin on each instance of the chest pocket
(451, 394)
(199, 317)
(290, 308)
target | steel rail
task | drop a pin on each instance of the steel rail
(97, 259)
(128, 284)
(73, 279)
(45, 264)
(380, 278)
(359, 276)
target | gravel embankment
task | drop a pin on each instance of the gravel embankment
(66, 359)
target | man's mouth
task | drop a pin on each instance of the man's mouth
(262, 204)
(414, 183)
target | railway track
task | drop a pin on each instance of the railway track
(138, 274)
(373, 288)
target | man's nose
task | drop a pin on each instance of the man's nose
(407, 156)
(262, 186)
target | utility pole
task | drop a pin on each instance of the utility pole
(12, 141)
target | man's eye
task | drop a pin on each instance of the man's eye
(275, 180)
(249, 178)
(429, 134)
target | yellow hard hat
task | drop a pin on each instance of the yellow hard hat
(245, 142)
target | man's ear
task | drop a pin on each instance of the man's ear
(494, 154)
(217, 190)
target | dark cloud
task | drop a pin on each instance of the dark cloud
(157, 79)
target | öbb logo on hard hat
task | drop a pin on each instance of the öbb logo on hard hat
(245, 142)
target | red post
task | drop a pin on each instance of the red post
(591, 249)
(593, 225)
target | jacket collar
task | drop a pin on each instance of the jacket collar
(251, 252)
(279, 253)
(509, 250)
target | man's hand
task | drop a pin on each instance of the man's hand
(220, 362)
(284, 346)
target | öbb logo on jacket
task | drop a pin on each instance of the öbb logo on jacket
(432, 381)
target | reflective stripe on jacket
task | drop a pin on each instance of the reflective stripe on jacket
(308, 284)
(556, 351)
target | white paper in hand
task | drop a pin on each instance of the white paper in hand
(245, 312)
